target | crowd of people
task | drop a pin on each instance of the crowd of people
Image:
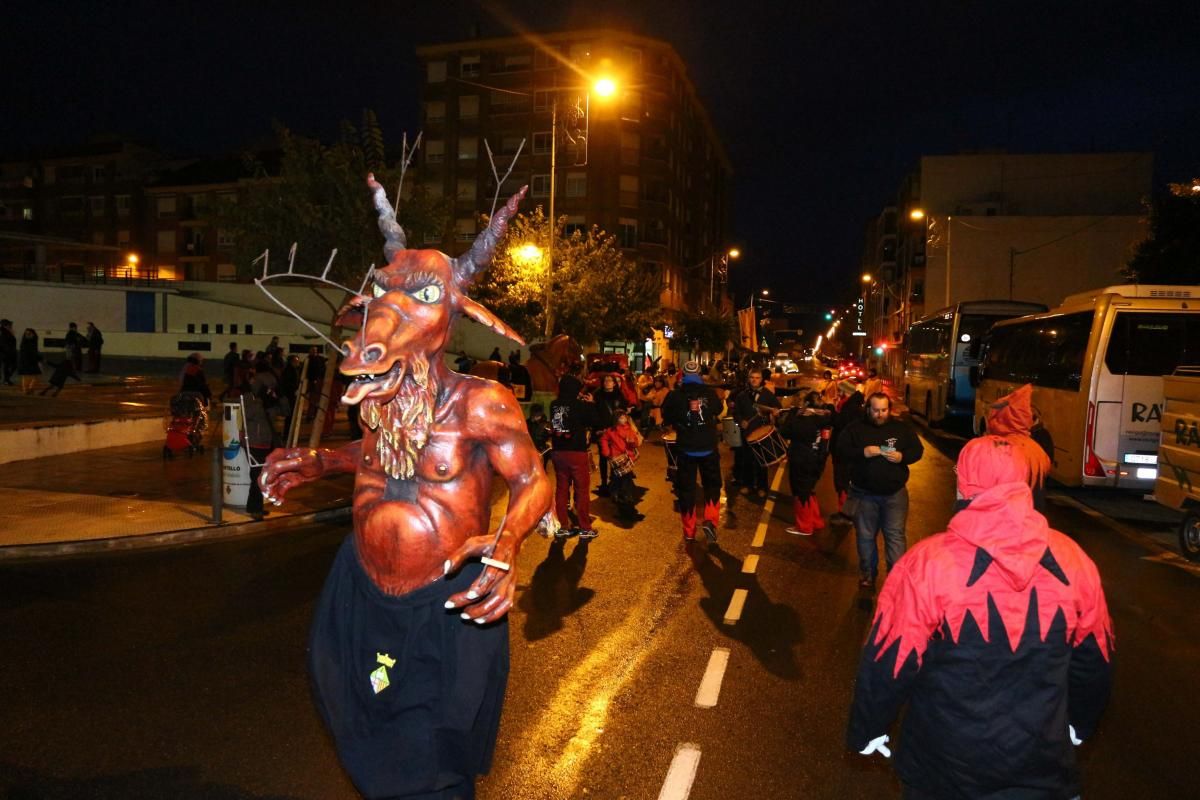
(24, 357)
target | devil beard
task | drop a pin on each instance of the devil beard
(403, 423)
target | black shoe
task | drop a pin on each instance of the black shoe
(602, 491)
(710, 530)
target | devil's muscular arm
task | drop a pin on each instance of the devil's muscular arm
(495, 422)
(288, 468)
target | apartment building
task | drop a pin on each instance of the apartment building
(645, 165)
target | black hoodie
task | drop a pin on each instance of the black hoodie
(570, 417)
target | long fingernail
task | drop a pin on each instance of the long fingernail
(446, 567)
(471, 595)
(465, 615)
(449, 604)
(479, 620)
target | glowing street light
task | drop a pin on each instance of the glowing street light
(734, 253)
(866, 278)
(604, 87)
(916, 214)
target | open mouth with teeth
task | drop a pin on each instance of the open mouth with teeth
(379, 385)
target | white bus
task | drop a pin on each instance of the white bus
(941, 349)
(1096, 364)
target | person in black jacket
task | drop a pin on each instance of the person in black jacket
(807, 432)
(693, 410)
(572, 415)
(8, 350)
(878, 451)
(751, 409)
(997, 637)
(848, 410)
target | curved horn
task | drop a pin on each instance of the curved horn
(479, 256)
(391, 230)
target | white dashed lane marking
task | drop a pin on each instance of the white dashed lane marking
(710, 684)
(682, 773)
(736, 603)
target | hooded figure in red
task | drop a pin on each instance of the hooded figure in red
(1013, 418)
(997, 636)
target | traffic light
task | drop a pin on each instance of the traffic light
(828, 316)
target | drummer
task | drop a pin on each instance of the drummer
(754, 407)
(692, 409)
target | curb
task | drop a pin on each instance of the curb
(150, 541)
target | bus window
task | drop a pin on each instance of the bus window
(1152, 344)
(971, 330)
(1062, 344)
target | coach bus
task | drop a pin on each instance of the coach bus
(941, 349)
(1096, 364)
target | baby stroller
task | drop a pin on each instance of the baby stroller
(189, 422)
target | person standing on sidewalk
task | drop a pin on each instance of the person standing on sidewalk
(693, 410)
(29, 360)
(572, 415)
(8, 350)
(95, 342)
(878, 451)
(996, 635)
(73, 346)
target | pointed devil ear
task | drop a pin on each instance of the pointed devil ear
(477, 259)
(488, 319)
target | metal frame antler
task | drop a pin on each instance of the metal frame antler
(261, 283)
(500, 181)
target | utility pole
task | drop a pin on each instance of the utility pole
(553, 231)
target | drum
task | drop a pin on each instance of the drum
(731, 432)
(621, 464)
(767, 445)
(668, 440)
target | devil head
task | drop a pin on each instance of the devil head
(405, 314)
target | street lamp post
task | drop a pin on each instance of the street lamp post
(604, 88)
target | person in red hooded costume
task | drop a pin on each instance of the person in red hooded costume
(1013, 418)
(996, 635)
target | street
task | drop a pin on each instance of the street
(181, 673)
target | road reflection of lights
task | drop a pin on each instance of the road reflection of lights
(562, 741)
(132, 403)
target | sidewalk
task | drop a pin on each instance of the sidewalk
(126, 496)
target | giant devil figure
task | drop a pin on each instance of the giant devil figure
(409, 645)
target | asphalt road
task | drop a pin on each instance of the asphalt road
(180, 673)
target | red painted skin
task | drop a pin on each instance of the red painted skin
(477, 431)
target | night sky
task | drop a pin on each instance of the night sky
(822, 106)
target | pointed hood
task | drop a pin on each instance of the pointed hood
(1012, 413)
(1000, 519)
(1012, 417)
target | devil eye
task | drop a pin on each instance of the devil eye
(430, 293)
(378, 290)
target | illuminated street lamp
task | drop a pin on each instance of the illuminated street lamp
(917, 214)
(866, 278)
(604, 88)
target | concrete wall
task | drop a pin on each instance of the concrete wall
(1055, 256)
(1037, 185)
(48, 307)
(20, 444)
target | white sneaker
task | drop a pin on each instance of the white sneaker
(798, 532)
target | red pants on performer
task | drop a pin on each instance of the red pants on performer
(808, 514)
(571, 470)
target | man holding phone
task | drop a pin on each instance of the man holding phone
(879, 450)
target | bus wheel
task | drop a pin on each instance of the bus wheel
(1189, 536)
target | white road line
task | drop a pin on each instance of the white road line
(750, 565)
(736, 604)
(714, 673)
(682, 773)
(760, 533)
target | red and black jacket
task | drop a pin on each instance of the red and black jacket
(997, 636)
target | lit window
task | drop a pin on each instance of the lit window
(27, 213)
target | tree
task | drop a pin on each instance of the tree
(598, 293)
(707, 332)
(319, 200)
(1171, 252)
